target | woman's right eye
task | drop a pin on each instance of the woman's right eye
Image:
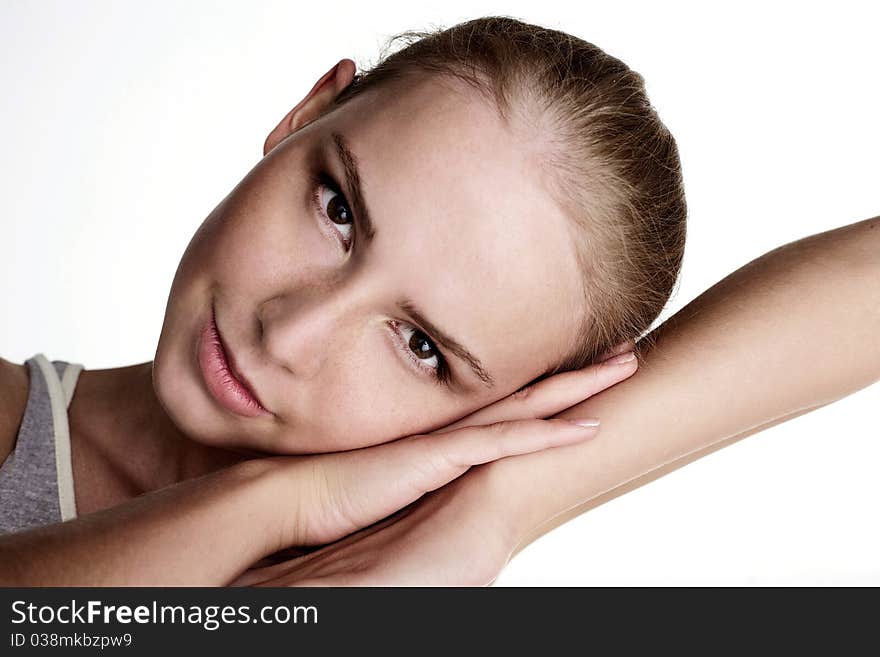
(334, 209)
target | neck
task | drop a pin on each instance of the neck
(123, 435)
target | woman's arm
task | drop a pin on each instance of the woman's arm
(198, 532)
(789, 332)
(207, 530)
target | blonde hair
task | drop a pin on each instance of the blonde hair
(617, 169)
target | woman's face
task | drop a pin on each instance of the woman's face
(337, 332)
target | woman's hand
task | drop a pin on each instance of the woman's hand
(559, 392)
(328, 496)
(450, 522)
(324, 497)
(442, 540)
(450, 537)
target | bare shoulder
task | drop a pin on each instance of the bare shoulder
(13, 398)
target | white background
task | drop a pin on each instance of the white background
(124, 123)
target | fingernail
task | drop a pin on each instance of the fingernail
(586, 422)
(628, 357)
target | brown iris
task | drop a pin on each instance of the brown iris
(337, 211)
(421, 346)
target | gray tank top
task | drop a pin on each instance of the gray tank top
(36, 480)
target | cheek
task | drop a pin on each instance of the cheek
(364, 399)
(264, 234)
(363, 424)
(266, 252)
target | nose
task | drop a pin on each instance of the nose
(301, 327)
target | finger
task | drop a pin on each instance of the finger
(449, 455)
(622, 348)
(335, 581)
(380, 480)
(554, 394)
(253, 576)
(314, 583)
(477, 445)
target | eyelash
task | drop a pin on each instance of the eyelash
(442, 373)
(323, 180)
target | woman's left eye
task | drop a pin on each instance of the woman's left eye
(421, 351)
(334, 209)
(421, 346)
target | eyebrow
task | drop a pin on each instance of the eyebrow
(452, 345)
(353, 180)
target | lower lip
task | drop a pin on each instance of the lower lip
(229, 392)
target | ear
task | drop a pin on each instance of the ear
(314, 104)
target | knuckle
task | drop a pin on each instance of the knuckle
(434, 461)
(437, 469)
(444, 463)
(503, 432)
(501, 428)
(523, 393)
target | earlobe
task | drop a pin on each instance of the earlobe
(314, 104)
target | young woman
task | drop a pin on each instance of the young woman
(280, 326)
(787, 333)
(416, 245)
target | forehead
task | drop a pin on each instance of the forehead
(464, 223)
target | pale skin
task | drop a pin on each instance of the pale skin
(732, 362)
(694, 366)
(487, 512)
(307, 316)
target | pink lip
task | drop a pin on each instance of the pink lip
(225, 384)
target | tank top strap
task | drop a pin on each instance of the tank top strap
(61, 381)
(69, 376)
(36, 480)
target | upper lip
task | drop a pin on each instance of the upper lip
(231, 362)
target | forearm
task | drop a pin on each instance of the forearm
(791, 331)
(200, 532)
